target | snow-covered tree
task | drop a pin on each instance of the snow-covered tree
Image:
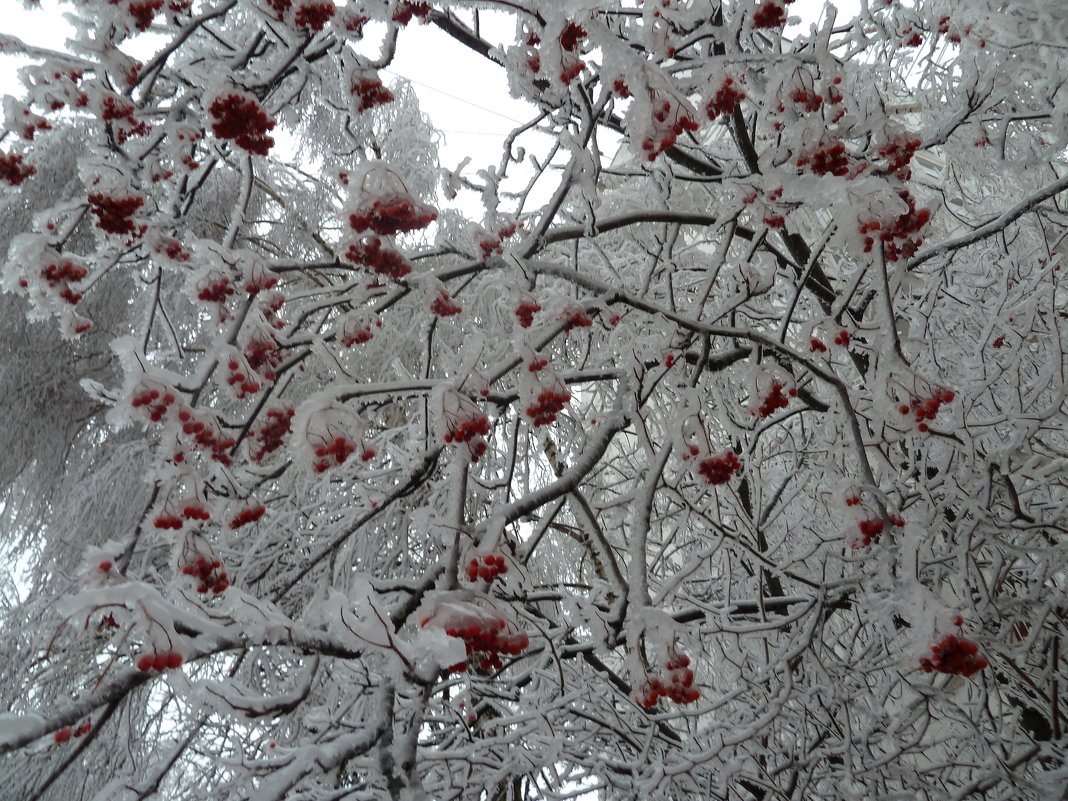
(722, 456)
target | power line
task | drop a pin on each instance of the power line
(455, 97)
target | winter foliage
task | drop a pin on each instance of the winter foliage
(722, 454)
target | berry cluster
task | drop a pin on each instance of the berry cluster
(32, 124)
(194, 510)
(678, 687)
(525, 311)
(215, 290)
(488, 568)
(371, 90)
(207, 436)
(143, 12)
(869, 532)
(61, 275)
(280, 7)
(240, 118)
(775, 399)
(571, 65)
(955, 655)
(537, 365)
(249, 513)
(471, 431)
(817, 346)
(209, 575)
(260, 279)
(725, 100)
(828, 158)
(444, 305)
(353, 333)
(621, 89)
(240, 381)
(382, 260)
(12, 170)
(115, 214)
(927, 410)
(576, 318)
(669, 121)
(898, 239)
(161, 660)
(64, 734)
(271, 435)
(157, 403)
(485, 638)
(571, 37)
(772, 14)
(842, 338)
(898, 153)
(314, 15)
(408, 9)
(167, 520)
(333, 452)
(391, 215)
(116, 109)
(719, 469)
(548, 404)
(263, 355)
(809, 101)
(172, 249)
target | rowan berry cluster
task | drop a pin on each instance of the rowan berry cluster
(537, 365)
(115, 109)
(206, 436)
(167, 520)
(314, 15)
(32, 123)
(259, 280)
(115, 214)
(393, 214)
(725, 100)
(775, 221)
(571, 65)
(280, 7)
(64, 734)
(829, 158)
(240, 119)
(143, 12)
(240, 381)
(571, 37)
(173, 250)
(357, 334)
(487, 568)
(372, 92)
(333, 452)
(869, 532)
(408, 9)
(485, 640)
(156, 402)
(249, 513)
(209, 575)
(775, 399)
(772, 14)
(899, 239)
(13, 171)
(159, 661)
(669, 122)
(810, 101)
(678, 686)
(444, 305)
(955, 655)
(216, 291)
(816, 345)
(263, 355)
(925, 410)
(194, 510)
(575, 318)
(719, 469)
(61, 275)
(547, 405)
(898, 153)
(842, 338)
(270, 436)
(370, 252)
(472, 431)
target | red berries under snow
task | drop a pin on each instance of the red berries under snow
(678, 686)
(161, 660)
(241, 119)
(955, 655)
